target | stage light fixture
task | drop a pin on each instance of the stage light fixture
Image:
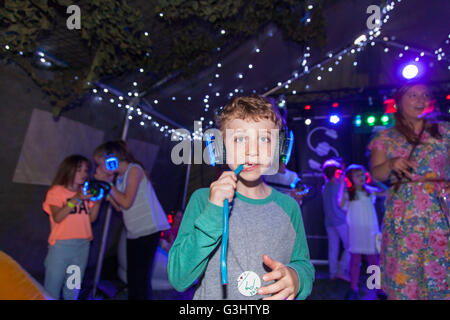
(410, 71)
(334, 119)
(370, 120)
(358, 120)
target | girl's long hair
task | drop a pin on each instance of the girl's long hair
(120, 149)
(67, 169)
(402, 126)
(352, 189)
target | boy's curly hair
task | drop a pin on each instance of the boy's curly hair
(252, 107)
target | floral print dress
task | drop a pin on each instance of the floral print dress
(415, 244)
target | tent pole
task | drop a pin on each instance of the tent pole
(101, 254)
(186, 184)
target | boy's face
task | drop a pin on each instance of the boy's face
(251, 143)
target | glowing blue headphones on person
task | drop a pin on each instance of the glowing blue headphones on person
(111, 161)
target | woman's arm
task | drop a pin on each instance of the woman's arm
(381, 166)
(126, 199)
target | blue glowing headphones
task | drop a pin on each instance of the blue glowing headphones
(286, 144)
(111, 161)
(217, 152)
(97, 188)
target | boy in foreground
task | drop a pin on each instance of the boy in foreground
(268, 255)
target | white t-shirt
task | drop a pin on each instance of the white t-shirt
(146, 216)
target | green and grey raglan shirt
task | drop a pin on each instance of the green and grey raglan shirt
(271, 226)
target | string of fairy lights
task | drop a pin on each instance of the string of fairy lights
(335, 58)
(132, 103)
(197, 134)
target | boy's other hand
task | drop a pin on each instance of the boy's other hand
(286, 282)
(223, 188)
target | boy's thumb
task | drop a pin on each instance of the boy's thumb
(268, 261)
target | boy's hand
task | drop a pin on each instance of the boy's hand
(286, 285)
(223, 188)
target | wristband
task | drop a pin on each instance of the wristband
(70, 205)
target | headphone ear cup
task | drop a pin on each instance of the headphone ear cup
(216, 150)
(285, 144)
(224, 153)
(111, 161)
(281, 145)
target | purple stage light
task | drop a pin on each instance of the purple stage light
(410, 71)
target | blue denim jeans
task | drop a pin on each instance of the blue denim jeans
(60, 256)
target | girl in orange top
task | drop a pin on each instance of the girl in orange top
(71, 215)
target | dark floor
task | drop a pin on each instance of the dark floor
(323, 289)
(326, 289)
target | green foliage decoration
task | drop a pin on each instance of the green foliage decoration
(183, 40)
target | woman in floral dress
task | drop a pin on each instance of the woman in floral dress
(414, 156)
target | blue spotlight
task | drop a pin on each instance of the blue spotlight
(334, 119)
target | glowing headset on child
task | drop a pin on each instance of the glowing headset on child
(111, 161)
(367, 177)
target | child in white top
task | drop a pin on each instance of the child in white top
(358, 200)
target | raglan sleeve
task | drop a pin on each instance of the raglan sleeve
(300, 260)
(199, 234)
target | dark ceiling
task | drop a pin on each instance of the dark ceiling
(421, 25)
